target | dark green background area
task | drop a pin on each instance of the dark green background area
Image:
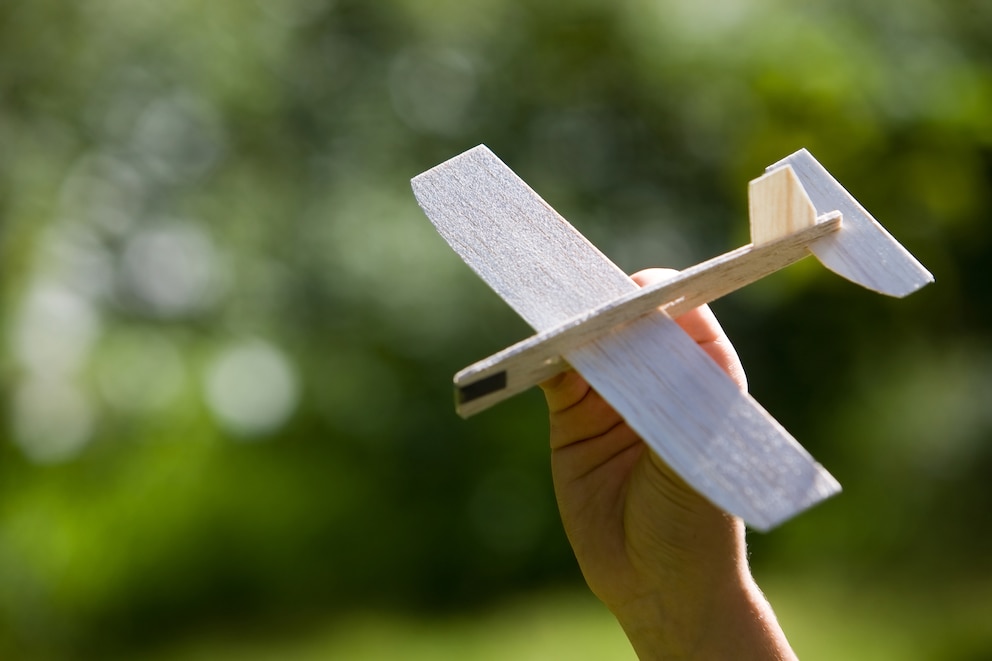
(229, 331)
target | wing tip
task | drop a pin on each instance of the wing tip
(480, 149)
(427, 182)
(822, 487)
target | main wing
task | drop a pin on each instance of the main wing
(717, 437)
(667, 389)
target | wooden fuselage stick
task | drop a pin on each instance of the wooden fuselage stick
(527, 363)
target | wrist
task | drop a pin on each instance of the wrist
(730, 621)
(710, 608)
(684, 617)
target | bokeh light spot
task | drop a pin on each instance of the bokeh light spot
(52, 421)
(170, 269)
(251, 388)
(179, 137)
(54, 330)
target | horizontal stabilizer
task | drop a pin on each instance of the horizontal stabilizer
(862, 251)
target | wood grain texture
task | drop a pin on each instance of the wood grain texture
(863, 251)
(717, 437)
(778, 206)
(666, 388)
(539, 357)
(521, 247)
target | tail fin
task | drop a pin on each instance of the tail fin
(862, 250)
(778, 206)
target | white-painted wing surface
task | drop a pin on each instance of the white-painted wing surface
(521, 247)
(717, 437)
(667, 389)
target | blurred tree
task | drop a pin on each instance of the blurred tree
(229, 331)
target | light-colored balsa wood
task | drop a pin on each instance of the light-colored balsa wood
(664, 385)
(539, 357)
(714, 435)
(778, 206)
(521, 247)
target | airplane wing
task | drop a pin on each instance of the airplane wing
(667, 389)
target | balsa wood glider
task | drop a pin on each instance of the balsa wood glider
(590, 316)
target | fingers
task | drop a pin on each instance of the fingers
(579, 413)
(565, 390)
(702, 326)
(700, 323)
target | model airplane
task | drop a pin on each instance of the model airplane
(590, 316)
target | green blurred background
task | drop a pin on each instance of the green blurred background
(229, 331)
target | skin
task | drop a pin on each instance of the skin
(668, 564)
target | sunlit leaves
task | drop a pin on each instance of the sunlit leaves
(208, 237)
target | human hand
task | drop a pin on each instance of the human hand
(669, 564)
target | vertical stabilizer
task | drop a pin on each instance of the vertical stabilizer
(778, 206)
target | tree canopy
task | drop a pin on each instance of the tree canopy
(229, 331)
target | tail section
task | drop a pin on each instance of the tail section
(862, 250)
(778, 206)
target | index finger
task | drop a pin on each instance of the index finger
(702, 326)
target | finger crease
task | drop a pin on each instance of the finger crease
(623, 450)
(586, 394)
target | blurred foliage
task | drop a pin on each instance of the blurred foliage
(229, 331)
